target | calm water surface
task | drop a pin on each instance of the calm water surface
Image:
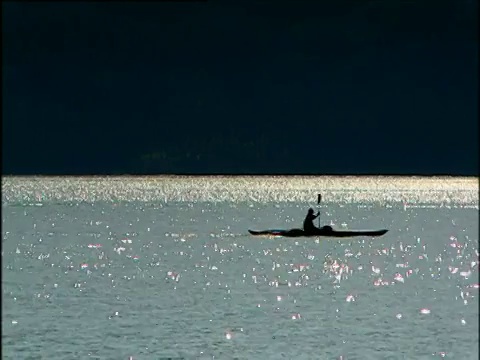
(159, 267)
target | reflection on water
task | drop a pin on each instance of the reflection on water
(156, 279)
(380, 189)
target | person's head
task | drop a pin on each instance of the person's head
(310, 211)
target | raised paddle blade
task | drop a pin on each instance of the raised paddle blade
(319, 199)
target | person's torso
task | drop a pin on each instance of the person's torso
(308, 222)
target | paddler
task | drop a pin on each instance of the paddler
(308, 226)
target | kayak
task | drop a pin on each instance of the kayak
(323, 231)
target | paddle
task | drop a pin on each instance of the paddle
(319, 199)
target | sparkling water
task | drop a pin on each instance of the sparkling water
(163, 267)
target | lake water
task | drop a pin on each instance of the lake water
(163, 267)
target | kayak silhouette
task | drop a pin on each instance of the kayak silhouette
(323, 231)
(310, 230)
